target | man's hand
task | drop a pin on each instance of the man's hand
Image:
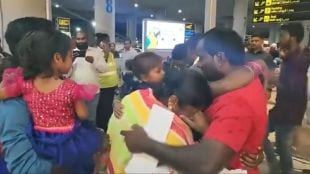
(75, 54)
(252, 160)
(118, 109)
(136, 139)
(198, 122)
(89, 59)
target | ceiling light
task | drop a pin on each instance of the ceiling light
(151, 15)
(180, 11)
(57, 5)
(184, 19)
(136, 5)
(253, 26)
(93, 23)
(77, 29)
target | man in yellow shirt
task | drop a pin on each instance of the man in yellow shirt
(108, 83)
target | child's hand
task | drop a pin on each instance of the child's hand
(251, 161)
(118, 109)
(107, 143)
(81, 110)
(89, 59)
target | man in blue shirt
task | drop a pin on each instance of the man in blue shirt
(19, 156)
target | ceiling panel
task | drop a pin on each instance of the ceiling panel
(193, 10)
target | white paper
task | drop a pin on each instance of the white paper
(238, 171)
(157, 128)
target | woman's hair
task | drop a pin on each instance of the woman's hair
(143, 63)
(37, 49)
(4, 63)
(188, 85)
(19, 27)
(179, 52)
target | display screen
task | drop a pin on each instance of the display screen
(266, 11)
(189, 31)
(162, 35)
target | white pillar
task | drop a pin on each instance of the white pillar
(240, 17)
(198, 28)
(132, 28)
(105, 19)
(14, 9)
(210, 14)
(307, 33)
(48, 7)
(274, 33)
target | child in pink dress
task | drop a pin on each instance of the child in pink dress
(59, 131)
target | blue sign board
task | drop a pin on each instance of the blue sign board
(109, 6)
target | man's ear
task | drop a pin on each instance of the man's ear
(173, 102)
(219, 59)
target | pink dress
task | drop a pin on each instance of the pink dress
(56, 132)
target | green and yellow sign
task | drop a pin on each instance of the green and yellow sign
(268, 11)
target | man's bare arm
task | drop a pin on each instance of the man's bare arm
(209, 156)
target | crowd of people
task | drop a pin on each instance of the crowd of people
(68, 107)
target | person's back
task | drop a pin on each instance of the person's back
(19, 154)
(137, 107)
(291, 98)
(245, 105)
(84, 72)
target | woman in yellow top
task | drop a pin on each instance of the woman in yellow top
(108, 84)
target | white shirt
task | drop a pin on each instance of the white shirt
(124, 56)
(86, 73)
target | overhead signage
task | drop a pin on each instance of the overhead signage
(63, 24)
(189, 30)
(266, 11)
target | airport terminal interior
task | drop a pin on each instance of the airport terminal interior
(155, 86)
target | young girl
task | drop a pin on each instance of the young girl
(54, 103)
(147, 71)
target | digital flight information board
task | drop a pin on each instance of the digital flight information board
(270, 11)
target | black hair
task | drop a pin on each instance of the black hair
(188, 85)
(192, 42)
(295, 29)
(102, 37)
(4, 63)
(259, 35)
(179, 52)
(81, 32)
(225, 40)
(143, 63)
(37, 49)
(127, 39)
(19, 27)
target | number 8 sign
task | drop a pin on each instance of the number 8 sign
(109, 6)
